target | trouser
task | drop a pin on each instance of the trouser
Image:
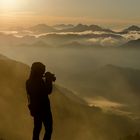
(47, 121)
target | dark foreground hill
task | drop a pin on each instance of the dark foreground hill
(132, 137)
(73, 118)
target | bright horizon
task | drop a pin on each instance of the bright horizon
(107, 13)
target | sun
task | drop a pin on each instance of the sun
(9, 4)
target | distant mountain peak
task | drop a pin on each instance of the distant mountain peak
(92, 25)
(63, 26)
(82, 27)
(132, 28)
(41, 28)
(41, 25)
(133, 44)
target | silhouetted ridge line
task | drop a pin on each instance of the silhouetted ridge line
(42, 28)
(132, 28)
(82, 28)
(132, 44)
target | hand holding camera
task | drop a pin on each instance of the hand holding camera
(50, 77)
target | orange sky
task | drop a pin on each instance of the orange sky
(113, 13)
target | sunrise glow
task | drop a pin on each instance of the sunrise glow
(10, 4)
(106, 12)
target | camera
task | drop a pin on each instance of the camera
(50, 76)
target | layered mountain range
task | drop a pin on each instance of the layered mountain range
(69, 36)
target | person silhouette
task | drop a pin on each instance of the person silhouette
(38, 87)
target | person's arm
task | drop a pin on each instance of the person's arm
(49, 86)
(49, 79)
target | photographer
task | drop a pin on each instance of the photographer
(38, 87)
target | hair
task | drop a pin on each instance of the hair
(37, 69)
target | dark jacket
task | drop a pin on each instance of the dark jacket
(37, 92)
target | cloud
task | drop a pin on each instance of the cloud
(108, 41)
(72, 33)
(9, 32)
(111, 107)
(87, 37)
(103, 103)
(133, 35)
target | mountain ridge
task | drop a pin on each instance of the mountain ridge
(73, 28)
(82, 28)
(132, 44)
(41, 28)
(132, 28)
